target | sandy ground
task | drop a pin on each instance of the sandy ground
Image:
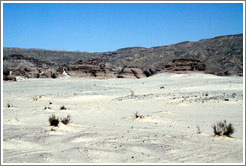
(103, 127)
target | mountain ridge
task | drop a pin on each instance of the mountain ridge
(123, 47)
(222, 55)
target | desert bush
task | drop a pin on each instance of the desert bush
(136, 115)
(66, 120)
(8, 105)
(63, 108)
(223, 129)
(54, 121)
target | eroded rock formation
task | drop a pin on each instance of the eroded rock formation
(92, 68)
(129, 72)
(18, 65)
(182, 65)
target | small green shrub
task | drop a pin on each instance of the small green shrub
(222, 129)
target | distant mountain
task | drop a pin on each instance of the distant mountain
(221, 55)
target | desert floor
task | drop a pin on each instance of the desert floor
(103, 127)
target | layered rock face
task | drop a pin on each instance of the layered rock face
(97, 68)
(92, 68)
(182, 65)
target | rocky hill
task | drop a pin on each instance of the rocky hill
(221, 55)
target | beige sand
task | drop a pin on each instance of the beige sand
(103, 129)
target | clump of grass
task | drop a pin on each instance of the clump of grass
(66, 120)
(198, 130)
(63, 108)
(132, 93)
(222, 129)
(8, 105)
(54, 121)
(136, 115)
(36, 98)
(47, 108)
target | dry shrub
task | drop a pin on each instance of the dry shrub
(47, 108)
(8, 105)
(136, 115)
(222, 129)
(63, 108)
(66, 120)
(36, 98)
(54, 121)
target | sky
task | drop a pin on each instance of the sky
(100, 27)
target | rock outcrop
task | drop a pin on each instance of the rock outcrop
(18, 65)
(184, 65)
(7, 75)
(151, 71)
(97, 68)
(129, 72)
(92, 68)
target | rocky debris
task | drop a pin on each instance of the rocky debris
(18, 65)
(226, 73)
(28, 72)
(49, 73)
(34, 72)
(128, 72)
(6, 72)
(7, 76)
(177, 65)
